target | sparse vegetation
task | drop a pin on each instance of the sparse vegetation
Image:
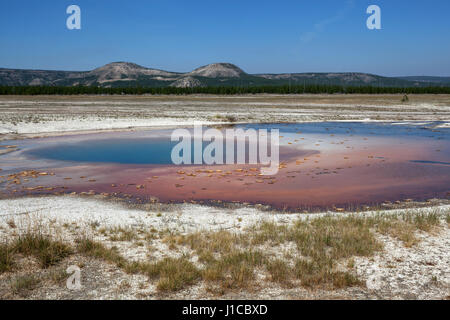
(58, 276)
(21, 285)
(6, 258)
(121, 234)
(97, 250)
(279, 271)
(42, 247)
(324, 253)
(425, 221)
(403, 226)
(321, 242)
(235, 269)
(172, 274)
(321, 253)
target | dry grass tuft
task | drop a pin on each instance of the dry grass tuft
(404, 226)
(321, 242)
(58, 276)
(22, 285)
(279, 271)
(172, 274)
(97, 250)
(321, 252)
(6, 258)
(234, 269)
(121, 234)
(424, 221)
(41, 246)
(314, 273)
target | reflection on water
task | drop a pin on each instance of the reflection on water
(323, 165)
(431, 162)
(125, 151)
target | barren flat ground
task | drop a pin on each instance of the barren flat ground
(34, 115)
(235, 251)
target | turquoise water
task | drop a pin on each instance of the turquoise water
(151, 150)
(323, 165)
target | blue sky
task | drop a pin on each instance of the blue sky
(259, 36)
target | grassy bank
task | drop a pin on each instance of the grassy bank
(314, 253)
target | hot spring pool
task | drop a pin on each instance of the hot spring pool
(323, 165)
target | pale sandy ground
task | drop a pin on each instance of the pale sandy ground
(33, 116)
(398, 272)
(419, 272)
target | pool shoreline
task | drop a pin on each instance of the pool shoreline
(319, 168)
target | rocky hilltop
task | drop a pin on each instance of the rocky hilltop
(219, 70)
(126, 74)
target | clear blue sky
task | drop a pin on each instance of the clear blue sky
(259, 36)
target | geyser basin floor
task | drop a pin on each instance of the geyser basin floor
(324, 165)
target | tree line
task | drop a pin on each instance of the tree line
(225, 90)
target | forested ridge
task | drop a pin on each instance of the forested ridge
(224, 90)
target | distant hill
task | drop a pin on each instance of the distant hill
(345, 78)
(219, 70)
(126, 74)
(428, 80)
